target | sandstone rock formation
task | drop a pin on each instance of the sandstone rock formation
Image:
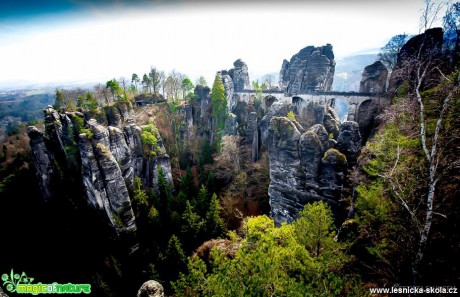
(374, 78)
(105, 158)
(331, 122)
(235, 80)
(42, 161)
(240, 76)
(333, 166)
(231, 125)
(349, 141)
(252, 135)
(426, 44)
(229, 90)
(151, 288)
(311, 69)
(295, 167)
(305, 167)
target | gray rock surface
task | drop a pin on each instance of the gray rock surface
(311, 69)
(151, 288)
(331, 122)
(229, 90)
(109, 159)
(41, 160)
(277, 109)
(349, 141)
(203, 98)
(332, 173)
(374, 78)
(305, 167)
(231, 125)
(252, 136)
(240, 76)
(294, 163)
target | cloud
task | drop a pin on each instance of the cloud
(111, 39)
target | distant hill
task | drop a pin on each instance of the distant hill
(348, 72)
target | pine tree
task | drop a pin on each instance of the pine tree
(187, 184)
(192, 225)
(219, 102)
(315, 228)
(214, 223)
(60, 100)
(174, 259)
(202, 201)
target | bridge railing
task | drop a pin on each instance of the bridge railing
(330, 93)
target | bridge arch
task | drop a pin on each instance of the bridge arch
(297, 100)
(341, 106)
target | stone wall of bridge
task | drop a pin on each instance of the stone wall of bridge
(354, 100)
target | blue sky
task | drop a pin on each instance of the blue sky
(51, 41)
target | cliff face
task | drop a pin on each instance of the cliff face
(311, 69)
(106, 158)
(236, 79)
(374, 78)
(306, 167)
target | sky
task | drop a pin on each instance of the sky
(60, 41)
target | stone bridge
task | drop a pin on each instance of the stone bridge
(358, 103)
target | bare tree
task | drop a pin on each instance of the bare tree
(452, 31)
(419, 69)
(162, 77)
(389, 53)
(269, 79)
(227, 162)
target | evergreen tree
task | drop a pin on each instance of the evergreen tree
(314, 228)
(201, 81)
(174, 258)
(179, 202)
(135, 80)
(214, 223)
(60, 100)
(219, 102)
(206, 154)
(192, 225)
(202, 201)
(186, 86)
(114, 88)
(91, 102)
(187, 184)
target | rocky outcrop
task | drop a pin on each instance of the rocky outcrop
(151, 288)
(286, 182)
(374, 78)
(311, 69)
(240, 76)
(333, 166)
(235, 80)
(349, 141)
(305, 167)
(202, 94)
(427, 44)
(277, 109)
(42, 161)
(105, 158)
(331, 122)
(231, 125)
(252, 136)
(229, 90)
(108, 185)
